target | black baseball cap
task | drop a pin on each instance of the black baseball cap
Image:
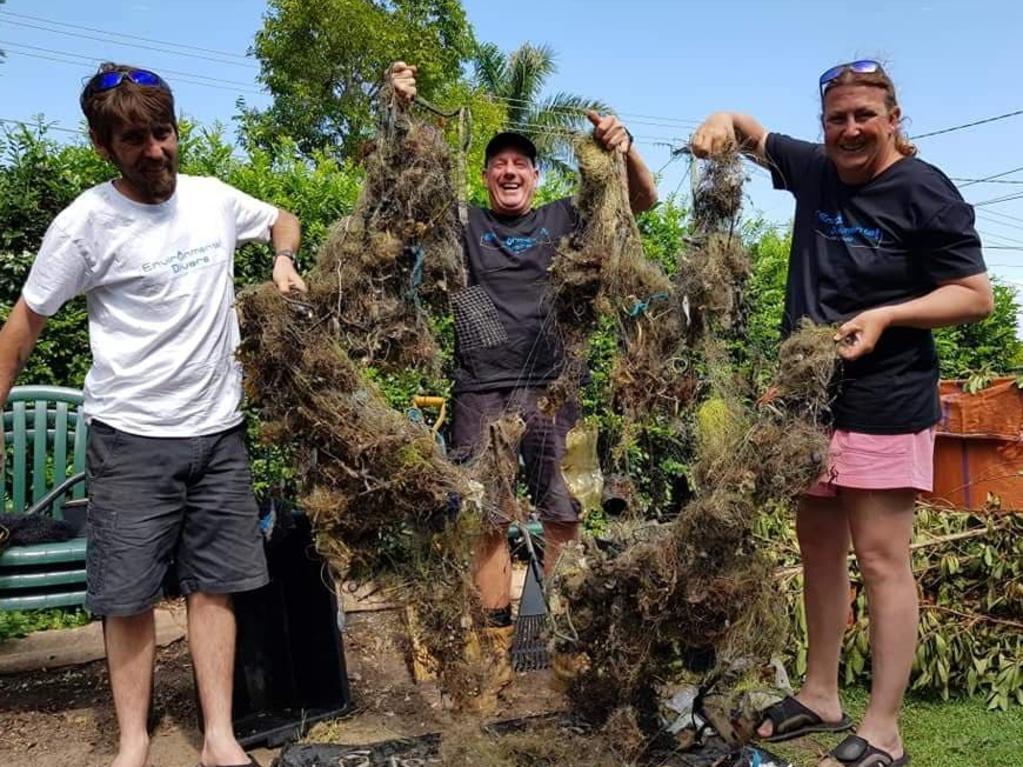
(510, 140)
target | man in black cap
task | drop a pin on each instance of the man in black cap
(507, 347)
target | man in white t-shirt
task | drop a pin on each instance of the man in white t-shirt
(169, 481)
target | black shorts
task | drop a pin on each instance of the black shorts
(542, 447)
(158, 502)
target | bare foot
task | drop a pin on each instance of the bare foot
(225, 751)
(132, 754)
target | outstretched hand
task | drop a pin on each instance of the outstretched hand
(714, 137)
(609, 132)
(402, 77)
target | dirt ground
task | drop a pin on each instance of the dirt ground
(64, 717)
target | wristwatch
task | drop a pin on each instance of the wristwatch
(286, 253)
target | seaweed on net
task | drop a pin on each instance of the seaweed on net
(399, 256)
(700, 583)
(601, 271)
(714, 267)
(629, 615)
(382, 496)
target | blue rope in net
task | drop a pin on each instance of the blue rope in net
(641, 306)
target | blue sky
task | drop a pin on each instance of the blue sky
(662, 65)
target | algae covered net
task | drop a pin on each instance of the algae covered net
(713, 269)
(398, 257)
(700, 586)
(382, 496)
(601, 273)
(697, 591)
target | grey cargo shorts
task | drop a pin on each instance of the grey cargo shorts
(158, 502)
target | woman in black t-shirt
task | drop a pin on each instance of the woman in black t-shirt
(883, 246)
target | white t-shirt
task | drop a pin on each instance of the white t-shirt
(159, 282)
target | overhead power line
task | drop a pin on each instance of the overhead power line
(658, 121)
(46, 126)
(9, 45)
(972, 181)
(568, 132)
(145, 46)
(995, 200)
(973, 124)
(993, 179)
(79, 64)
(1000, 215)
(54, 22)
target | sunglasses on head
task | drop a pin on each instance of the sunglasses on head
(861, 67)
(105, 81)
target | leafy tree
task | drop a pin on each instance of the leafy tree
(990, 347)
(324, 60)
(517, 80)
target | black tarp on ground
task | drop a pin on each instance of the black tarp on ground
(424, 751)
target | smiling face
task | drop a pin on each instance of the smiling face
(859, 131)
(147, 157)
(511, 180)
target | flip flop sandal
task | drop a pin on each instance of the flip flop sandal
(855, 751)
(791, 719)
(251, 763)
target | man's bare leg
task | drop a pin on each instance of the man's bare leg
(556, 535)
(211, 637)
(492, 567)
(131, 646)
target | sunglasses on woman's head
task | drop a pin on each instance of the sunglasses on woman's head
(861, 67)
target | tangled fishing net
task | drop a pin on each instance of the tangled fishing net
(699, 589)
(381, 495)
(601, 272)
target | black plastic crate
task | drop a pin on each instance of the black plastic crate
(289, 661)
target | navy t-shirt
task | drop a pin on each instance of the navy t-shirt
(890, 240)
(505, 329)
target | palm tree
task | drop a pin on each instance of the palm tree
(516, 80)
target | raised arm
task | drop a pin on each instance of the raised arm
(723, 131)
(614, 136)
(17, 339)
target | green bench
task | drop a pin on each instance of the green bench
(44, 441)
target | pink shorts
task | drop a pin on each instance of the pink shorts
(877, 462)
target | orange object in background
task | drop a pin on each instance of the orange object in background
(978, 453)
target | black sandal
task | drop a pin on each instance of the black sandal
(791, 719)
(855, 751)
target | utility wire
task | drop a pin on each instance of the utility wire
(569, 133)
(972, 181)
(999, 215)
(986, 120)
(54, 22)
(39, 125)
(145, 47)
(660, 122)
(88, 58)
(995, 200)
(992, 179)
(78, 64)
(1001, 238)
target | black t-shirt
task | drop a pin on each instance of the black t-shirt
(505, 330)
(892, 239)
